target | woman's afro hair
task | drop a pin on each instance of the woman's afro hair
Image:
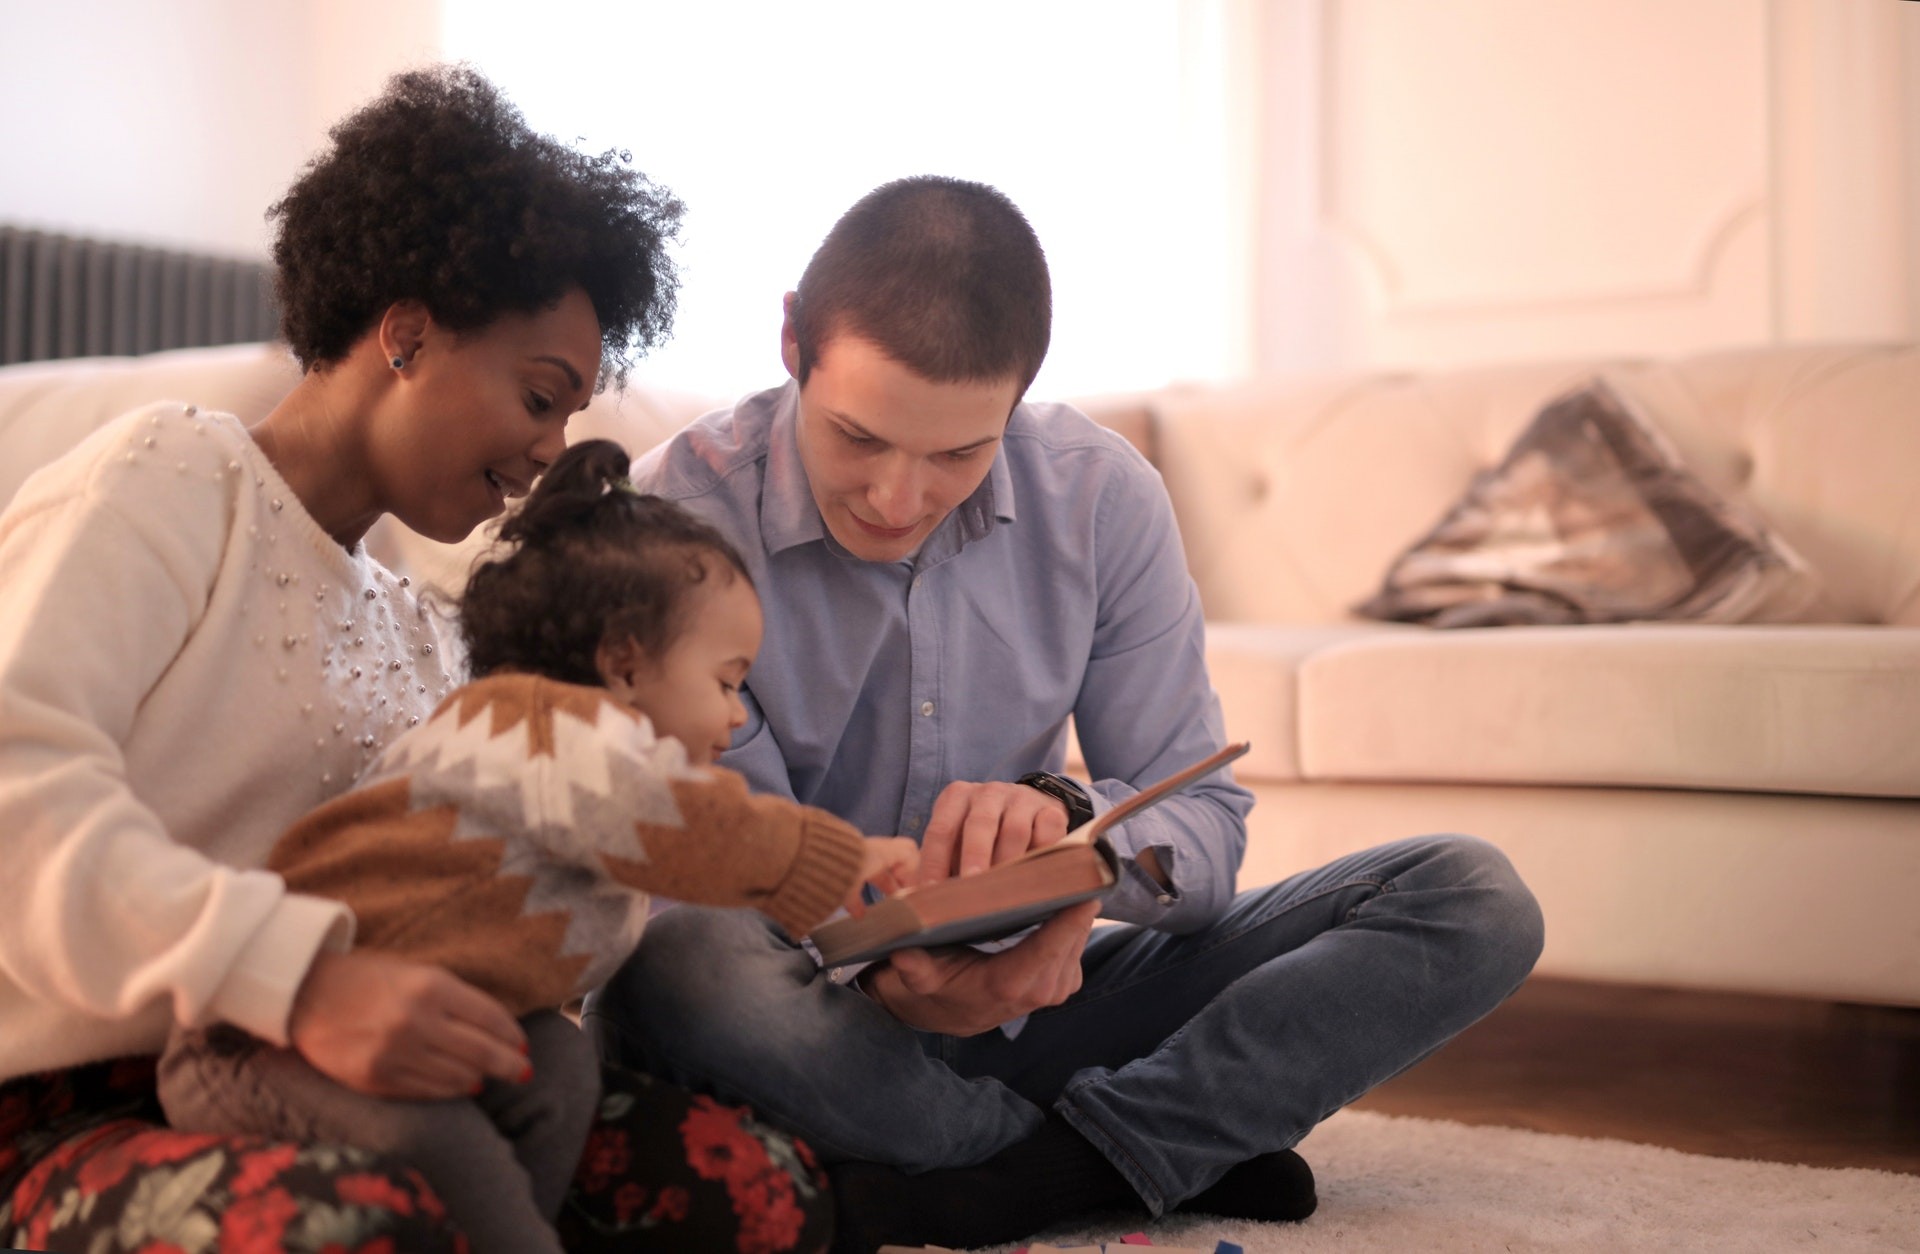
(438, 191)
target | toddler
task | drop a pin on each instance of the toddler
(515, 836)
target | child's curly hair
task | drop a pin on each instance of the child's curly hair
(590, 560)
(439, 192)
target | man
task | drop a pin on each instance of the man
(949, 574)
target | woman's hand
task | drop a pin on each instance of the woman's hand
(962, 993)
(388, 1027)
(889, 867)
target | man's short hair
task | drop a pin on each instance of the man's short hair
(944, 276)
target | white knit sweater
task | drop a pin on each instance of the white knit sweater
(188, 664)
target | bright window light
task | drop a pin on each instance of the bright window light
(1103, 119)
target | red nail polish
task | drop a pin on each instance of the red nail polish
(527, 1075)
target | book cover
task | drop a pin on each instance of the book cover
(1006, 898)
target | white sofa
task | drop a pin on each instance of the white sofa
(1717, 807)
(1726, 807)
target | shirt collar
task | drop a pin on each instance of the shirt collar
(789, 517)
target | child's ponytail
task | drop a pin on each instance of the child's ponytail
(569, 493)
(587, 559)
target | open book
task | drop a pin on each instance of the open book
(1005, 898)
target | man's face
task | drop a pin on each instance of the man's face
(889, 454)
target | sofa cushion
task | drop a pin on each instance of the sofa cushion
(48, 407)
(1592, 518)
(1254, 668)
(1295, 493)
(1834, 462)
(1777, 709)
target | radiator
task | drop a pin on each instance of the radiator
(63, 296)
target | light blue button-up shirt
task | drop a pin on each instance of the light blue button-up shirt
(1057, 589)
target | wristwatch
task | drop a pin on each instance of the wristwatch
(1066, 792)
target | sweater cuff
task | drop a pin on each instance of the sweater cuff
(825, 869)
(258, 992)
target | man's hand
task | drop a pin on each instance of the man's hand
(964, 993)
(392, 1028)
(975, 826)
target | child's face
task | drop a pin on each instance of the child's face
(693, 692)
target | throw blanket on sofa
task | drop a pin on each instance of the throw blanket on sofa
(1591, 518)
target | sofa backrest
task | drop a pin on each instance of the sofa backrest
(48, 407)
(1295, 495)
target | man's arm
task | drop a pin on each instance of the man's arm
(1145, 709)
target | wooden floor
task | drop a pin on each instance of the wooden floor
(1733, 1076)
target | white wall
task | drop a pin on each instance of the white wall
(179, 121)
(1434, 182)
(1108, 122)
(1910, 110)
(1493, 179)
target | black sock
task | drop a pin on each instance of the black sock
(1272, 1187)
(1053, 1176)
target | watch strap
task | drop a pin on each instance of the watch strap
(1066, 792)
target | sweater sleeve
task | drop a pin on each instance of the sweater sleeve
(795, 863)
(104, 912)
(695, 834)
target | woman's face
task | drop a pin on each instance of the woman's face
(475, 418)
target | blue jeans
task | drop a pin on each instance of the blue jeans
(1179, 1057)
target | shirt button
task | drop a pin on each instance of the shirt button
(926, 707)
(838, 975)
(1165, 899)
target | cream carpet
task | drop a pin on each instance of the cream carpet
(1431, 1187)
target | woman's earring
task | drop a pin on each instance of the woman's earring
(398, 362)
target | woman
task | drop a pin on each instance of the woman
(195, 650)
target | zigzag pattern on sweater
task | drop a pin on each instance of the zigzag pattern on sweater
(515, 838)
(561, 791)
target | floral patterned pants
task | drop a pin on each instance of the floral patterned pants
(87, 1164)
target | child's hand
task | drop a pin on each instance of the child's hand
(889, 865)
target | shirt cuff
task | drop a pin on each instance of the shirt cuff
(258, 992)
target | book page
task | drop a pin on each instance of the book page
(1087, 833)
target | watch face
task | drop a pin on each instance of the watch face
(1066, 792)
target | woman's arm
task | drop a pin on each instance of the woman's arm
(113, 608)
(104, 913)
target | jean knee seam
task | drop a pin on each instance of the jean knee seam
(1219, 942)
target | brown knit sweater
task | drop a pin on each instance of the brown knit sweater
(514, 837)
